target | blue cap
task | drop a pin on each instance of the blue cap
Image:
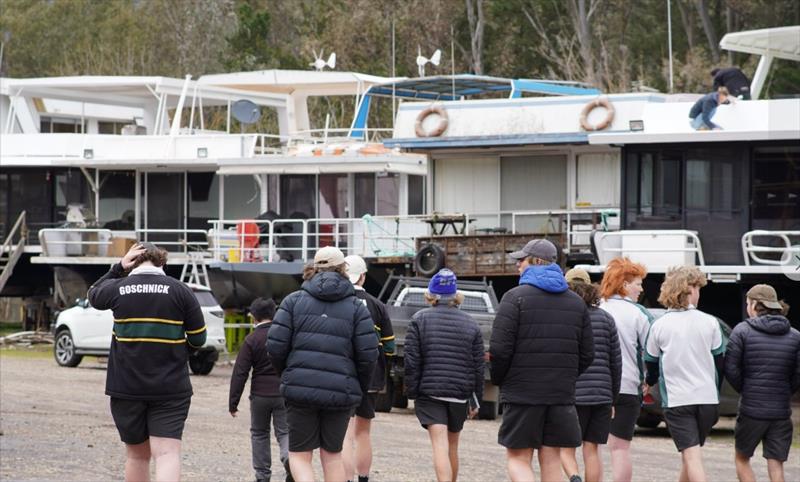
(443, 283)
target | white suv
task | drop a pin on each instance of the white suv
(83, 330)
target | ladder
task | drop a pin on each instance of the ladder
(194, 270)
(11, 252)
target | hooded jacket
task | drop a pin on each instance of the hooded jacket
(600, 383)
(322, 342)
(762, 363)
(541, 340)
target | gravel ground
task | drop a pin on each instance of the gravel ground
(56, 425)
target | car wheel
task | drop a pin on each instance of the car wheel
(648, 420)
(64, 350)
(202, 362)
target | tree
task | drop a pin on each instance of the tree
(476, 24)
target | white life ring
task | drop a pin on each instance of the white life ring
(439, 129)
(588, 108)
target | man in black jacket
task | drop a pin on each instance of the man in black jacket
(734, 80)
(155, 316)
(444, 369)
(541, 341)
(763, 364)
(265, 399)
(323, 344)
(357, 451)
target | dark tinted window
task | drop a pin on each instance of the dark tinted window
(776, 188)
(205, 298)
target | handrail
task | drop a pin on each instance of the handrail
(16, 253)
(697, 247)
(749, 248)
(21, 221)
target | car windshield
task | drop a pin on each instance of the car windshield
(205, 298)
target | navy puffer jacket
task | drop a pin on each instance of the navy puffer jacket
(323, 343)
(599, 384)
(443, 354)
(762, 363)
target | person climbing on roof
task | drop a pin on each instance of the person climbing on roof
(734, 80)
(704, 109)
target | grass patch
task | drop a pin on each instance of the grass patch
(10, 328)
(30, 352)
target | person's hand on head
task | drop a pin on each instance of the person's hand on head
(130, 257)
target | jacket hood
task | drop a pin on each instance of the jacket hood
(328, 286)
(772, 324)
(548, 278)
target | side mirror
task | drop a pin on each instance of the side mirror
(82, 302)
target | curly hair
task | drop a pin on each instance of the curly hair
(152, 253)
(618, 272)
(676, 288)
(309, 270)
(762, 310)
(589, 292)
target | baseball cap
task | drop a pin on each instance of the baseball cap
(538, 248)
(328, 256)
(443, 283)
(766, 295)
(355, 267)
(577, 274)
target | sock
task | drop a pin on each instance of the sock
(363, 478)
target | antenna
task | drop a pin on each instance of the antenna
(421, 61)
(246, 112)
(319, 63)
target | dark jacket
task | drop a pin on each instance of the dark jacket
(385, 334)
(155, 316)
(599, 384)
(443, 355)
(322, 342)
(762, 363)
(704, 106)
(541, 340)
(734, 80)
(253, 355)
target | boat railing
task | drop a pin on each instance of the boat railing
(97, 242)
(279, 143)
(652, 247)
(768, 247)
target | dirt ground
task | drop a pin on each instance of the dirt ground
(56, 425)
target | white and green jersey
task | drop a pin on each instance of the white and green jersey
(684, 342)
(633, 322)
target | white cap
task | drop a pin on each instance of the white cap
(355, 267)
(328, 256)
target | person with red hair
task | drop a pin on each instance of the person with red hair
(619, 290)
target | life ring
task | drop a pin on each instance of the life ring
(440, 128)
(598, 102)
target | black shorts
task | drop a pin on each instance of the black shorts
(138, 420)
(689, 425)
(626, 412)
(311, 428)
(432, 412)
(366, 409)
(595, 421)
(775, 437)
(534, 426)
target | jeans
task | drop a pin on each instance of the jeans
(261, 410)
(697, 122)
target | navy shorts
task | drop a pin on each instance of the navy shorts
(138, 420)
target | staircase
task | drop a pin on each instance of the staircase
(10, 251)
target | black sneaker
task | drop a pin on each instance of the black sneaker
(363, 478)
(575, 478)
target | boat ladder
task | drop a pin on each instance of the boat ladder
(11, 252)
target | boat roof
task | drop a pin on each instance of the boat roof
(453, 87)
(780, 42)
(290, 81)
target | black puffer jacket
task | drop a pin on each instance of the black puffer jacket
(599, 384)
(541, 340)
(443, 354)
(762, 362)
(323, 343)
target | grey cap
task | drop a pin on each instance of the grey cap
(538, 248)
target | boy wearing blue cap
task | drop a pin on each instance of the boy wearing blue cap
(444, 362)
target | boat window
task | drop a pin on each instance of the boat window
(532, 183)
(332, 196)
(298, 196)
(388, 192)
(165, 203)
(203, 199)
(416, 194)
(776, 188)
(117, 200)
(71, 188)
(597, 183)
(364, 185)
(105, 127)
(653, 189)
(242, 197)
(50, 125)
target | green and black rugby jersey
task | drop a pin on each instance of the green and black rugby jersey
(155, 316)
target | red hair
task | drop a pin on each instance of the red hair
(618, 272)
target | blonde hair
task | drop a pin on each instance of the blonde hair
(454, 301)
(677, 285)
(309, 270)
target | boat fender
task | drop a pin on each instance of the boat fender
(429, 260)
(588, 108)
(439, 129)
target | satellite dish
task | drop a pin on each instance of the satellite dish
(245, 111)
(319, 63)
(421, 61)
